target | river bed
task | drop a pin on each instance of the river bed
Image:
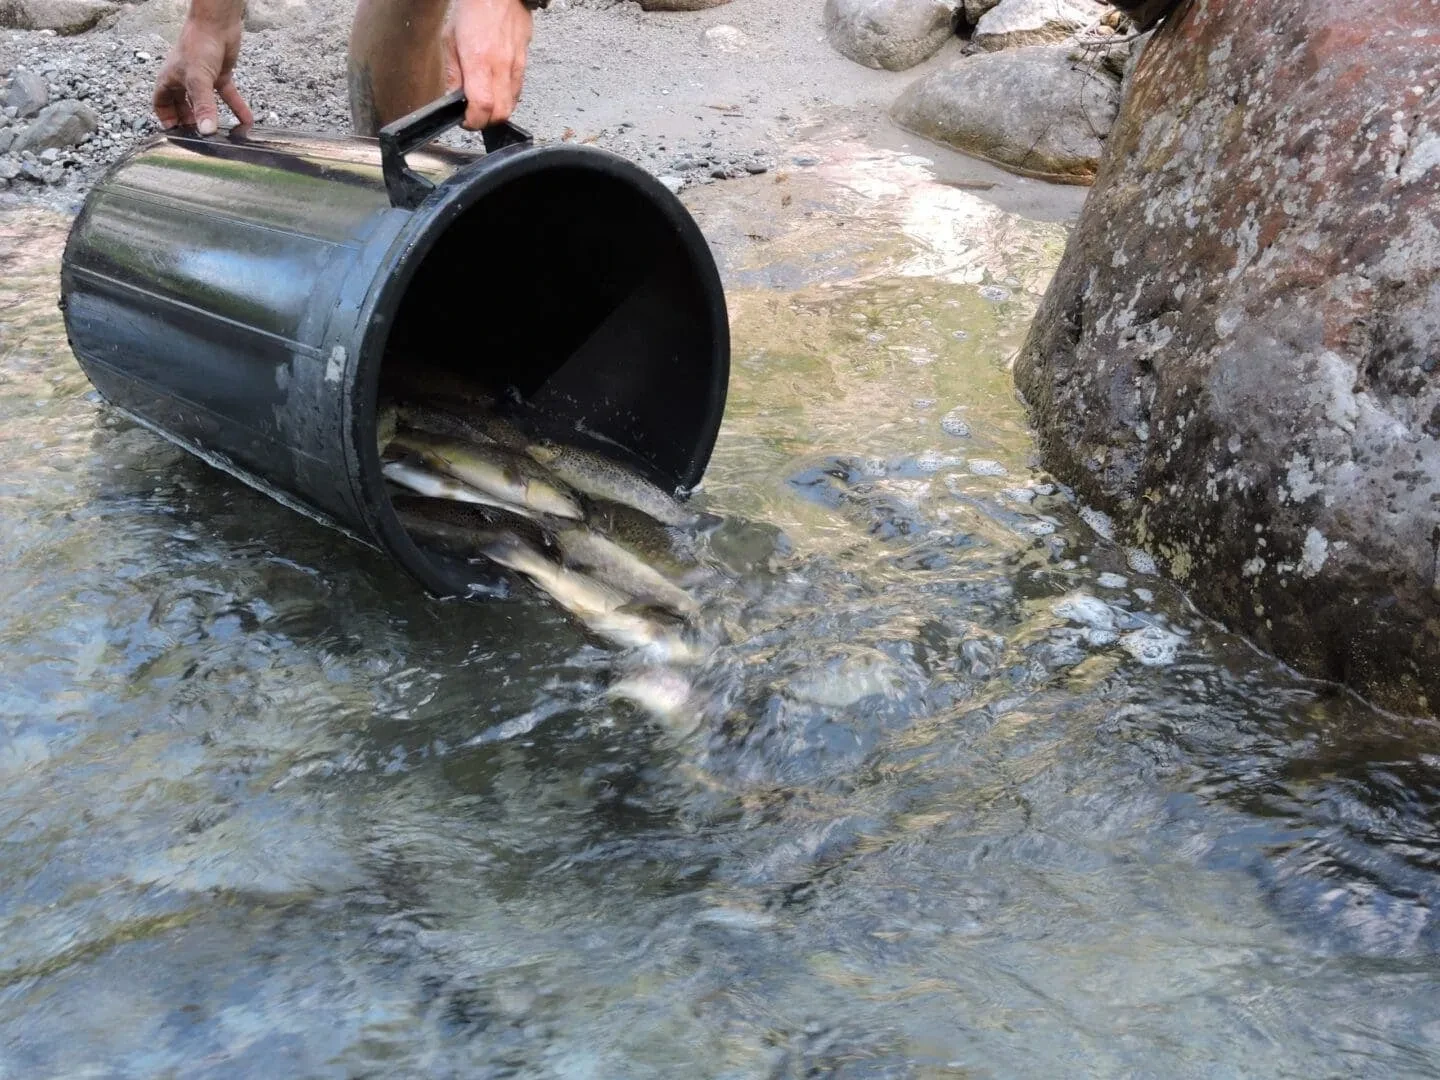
(969, 792)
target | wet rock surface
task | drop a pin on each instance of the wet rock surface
(1237, 357)
(1033, 110)
(889, 34)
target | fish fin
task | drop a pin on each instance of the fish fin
(647, 608)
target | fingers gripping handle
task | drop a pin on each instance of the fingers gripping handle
(408, 188)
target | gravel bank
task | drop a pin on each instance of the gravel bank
(694, 96)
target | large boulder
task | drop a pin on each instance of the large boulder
(1239, 357)
(62, 16)
(27, 94)
(973, 10)
(889, 34)
(1014, 23)
(58, 127)
(1033, 111)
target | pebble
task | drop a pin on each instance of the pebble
(1112, 581)
(1142, 562)
(1145, 596)
(933, 461)
(1086, 610)
(994, 293)
(953, 423)
(985, 467)
(1024, 496)
(1099, 521)
(1152, 646)
(804, 161)
(673, 184)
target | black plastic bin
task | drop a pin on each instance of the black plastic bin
(245, 295)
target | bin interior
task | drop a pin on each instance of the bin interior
(569, 295)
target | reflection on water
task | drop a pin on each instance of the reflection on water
(967, 794)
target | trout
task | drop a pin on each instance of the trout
(601, 478)
(512, 478)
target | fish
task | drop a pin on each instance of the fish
(577, 593)
(663, 693)
(512, 478)
(432, 421)
(636, 628)
(435, 485)
(604, 610)
(600, 478)
(386, 422)
(483, 428)
(616, 566)
(464, 529)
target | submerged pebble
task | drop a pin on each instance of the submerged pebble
(986, 467)
(1142, 562)
(1099, 521)
(1152, 646)
(1086, 610)
(953, 423)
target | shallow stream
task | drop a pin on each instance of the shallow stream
(969, 792)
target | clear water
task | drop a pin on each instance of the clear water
(961, 801)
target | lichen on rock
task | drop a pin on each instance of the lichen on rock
(1238, 355)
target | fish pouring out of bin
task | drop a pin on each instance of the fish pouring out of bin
(472, 485)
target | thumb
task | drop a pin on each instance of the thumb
(200, 89)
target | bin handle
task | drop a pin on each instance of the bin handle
(408, 188)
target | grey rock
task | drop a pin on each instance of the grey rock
(61, 16)
(53, 174)
(889, 34)
(1030, 110)
(1236, 359)
(27, 94)
(976, 9)
(9, 168)
(49, 157)
(1015, 23)
(61, 126)
(7, 139)
(673, 184)
(725, 39)
(1133, 60)
(162, 17)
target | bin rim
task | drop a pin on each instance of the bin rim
(427, 223)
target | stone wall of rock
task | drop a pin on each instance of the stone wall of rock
(1238, 356)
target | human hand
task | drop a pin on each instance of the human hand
(485, 46)
(199, 67)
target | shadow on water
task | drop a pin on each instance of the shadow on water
(968, 793)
